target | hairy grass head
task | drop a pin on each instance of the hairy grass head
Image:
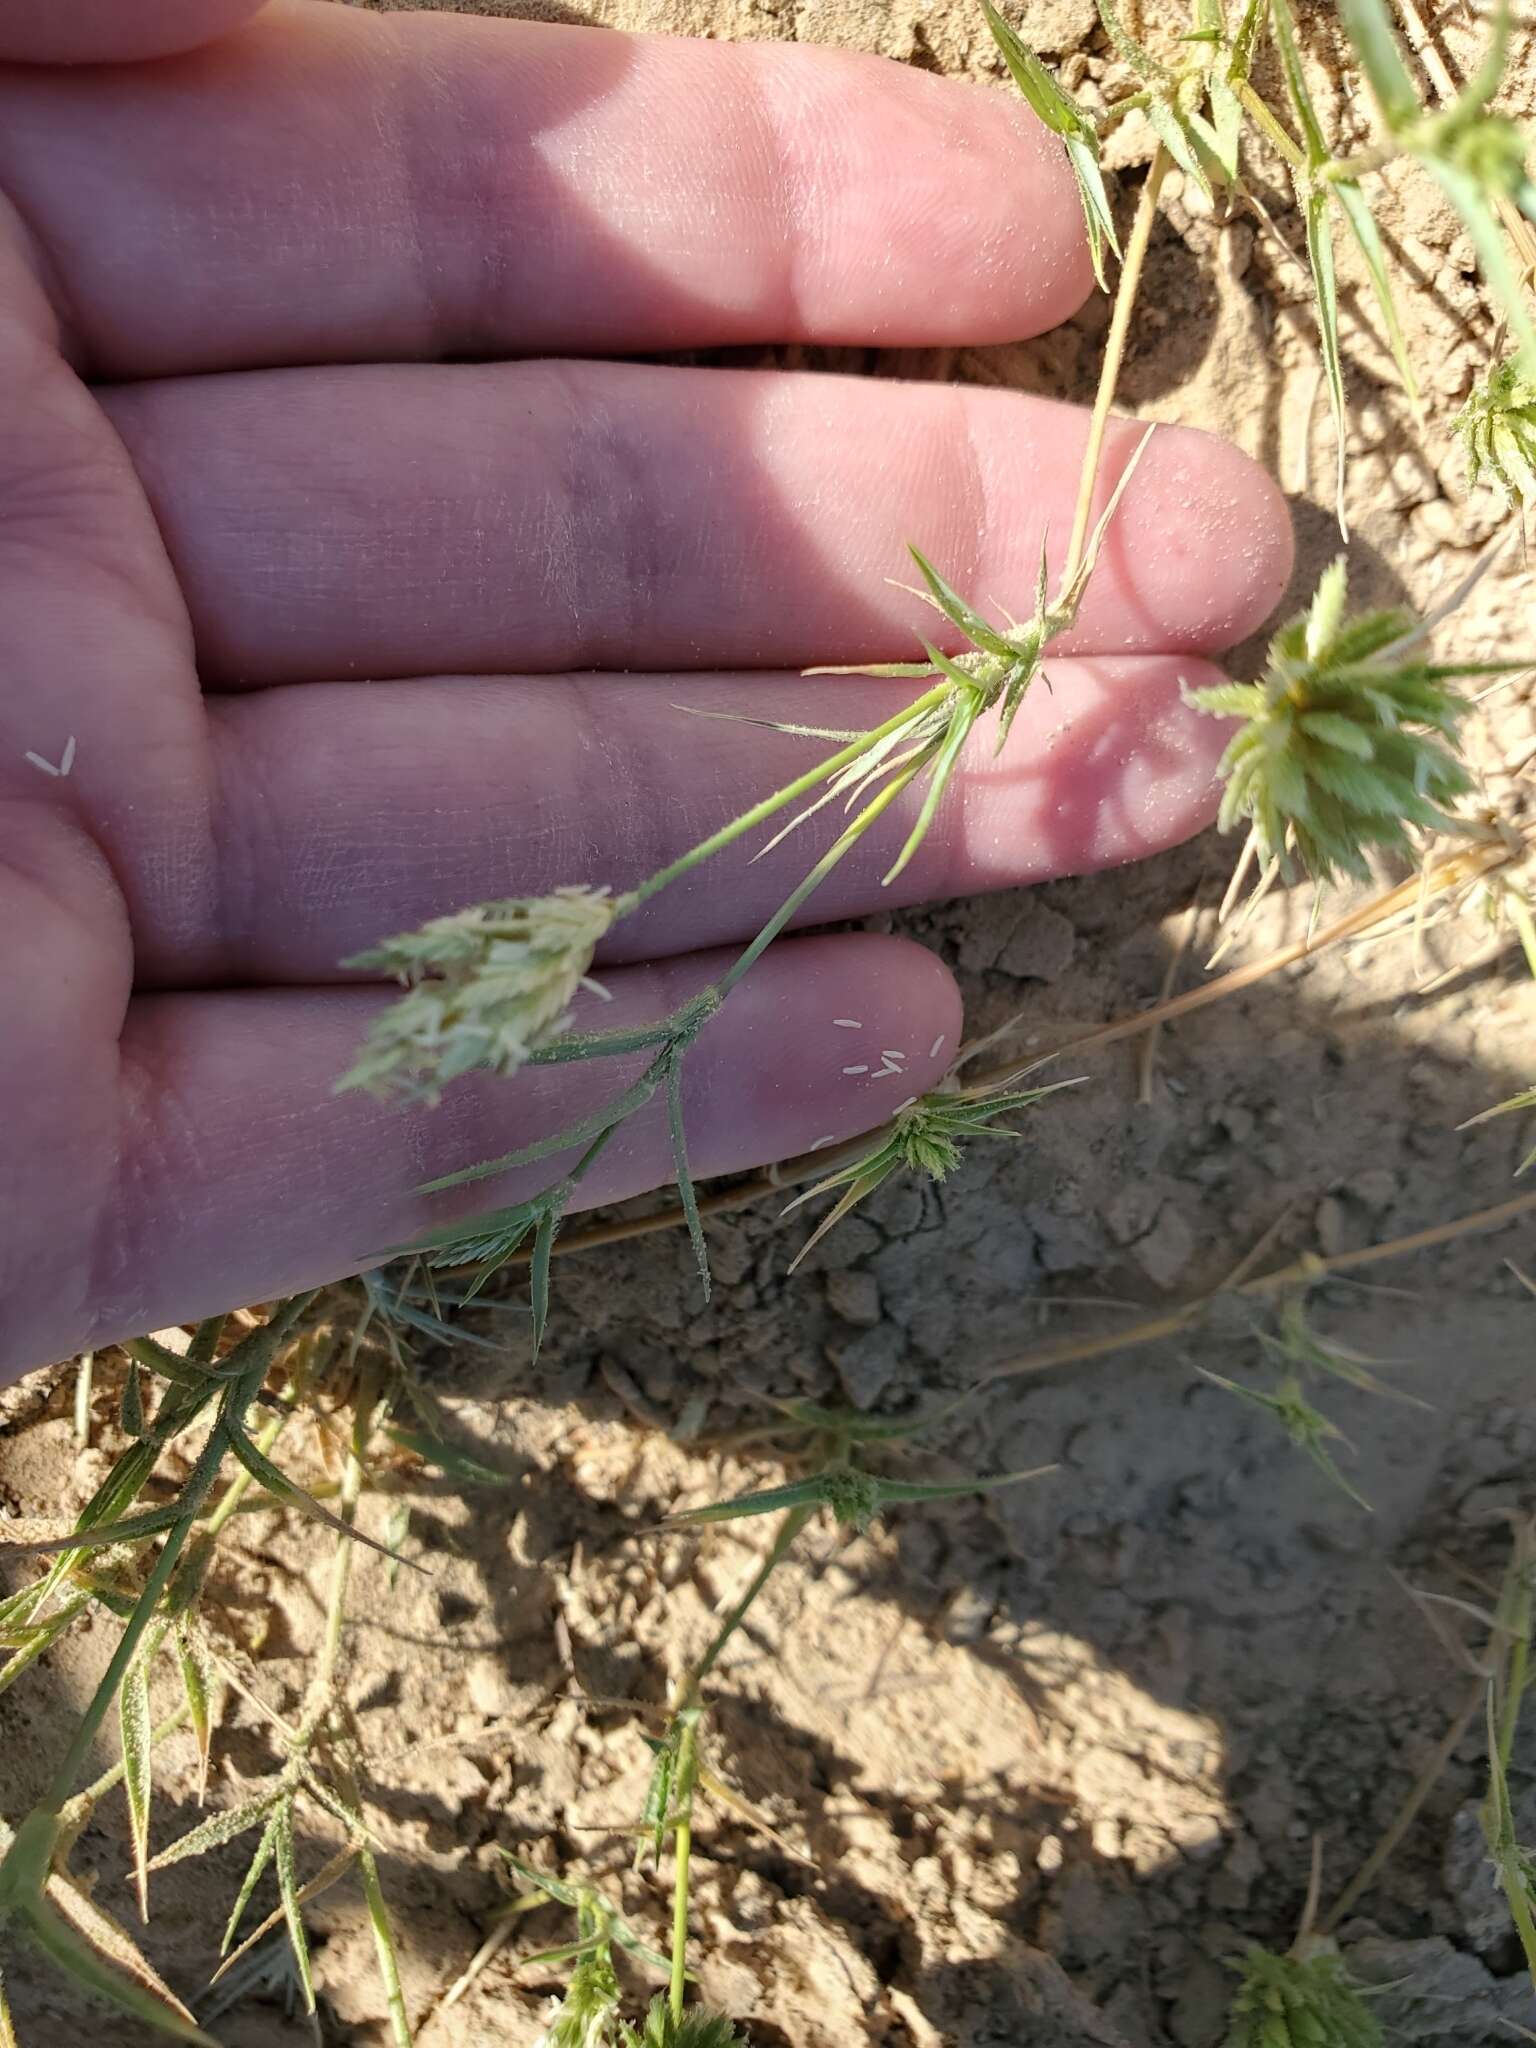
(485, 987)
(1348, 739)
(1497, 430)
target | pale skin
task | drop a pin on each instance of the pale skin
(367, 587)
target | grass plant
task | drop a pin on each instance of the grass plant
(1346, 753)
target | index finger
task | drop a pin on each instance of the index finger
(328, 185)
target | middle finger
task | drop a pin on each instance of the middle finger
(407, 520)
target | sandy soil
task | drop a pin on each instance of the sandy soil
(1038, 1763)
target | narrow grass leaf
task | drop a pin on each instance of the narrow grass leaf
(288, 1892)
(555, 1888)
(458, 1464)
(37, 1638)
(1515, 1104)
(384, 1947)
(1492, 249)
(979, 631)
(277, 1483)
(1368, 24)
(135, 1731)
(1297, 90)
(1140, 59)
(142, 1997)
(961, 720)
(657, 1808)
(132, 1413)
(1173, 134)
(205, 1340)
(895, 1492)
(566, 1140)
(1098, 215)
(260, 1858)
(1368, 240)
(538, 1274)
(858, 1428)
(190, 1374)
(331, 1874)
(564, 1952)
(132, 1529)
(220, 1828)
(687, 1195)
(1325, 285)
(632, 1945)
(798, 1493)
(1064, 118)
(856, 1191)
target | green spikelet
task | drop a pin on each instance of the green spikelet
(696, 2029)
(1497, 428)
(1283, 2002)
(1347, 741)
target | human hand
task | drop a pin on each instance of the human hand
(349, 622)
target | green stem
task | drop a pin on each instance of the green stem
(1408, 1812)
(829, 860)
(1114, 355)
(83, 1386)
(1273, 127)
(789, 1529)
(687, 1770)
(1517, 1671)
(384, 1947)
(801, 786)
(1117, 110)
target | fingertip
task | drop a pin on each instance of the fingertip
(1111, 764)
(939, 211)
(1202, 544)
(1029, 265)
(828, 1039)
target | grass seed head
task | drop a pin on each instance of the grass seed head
(1497, 428)
(485, 988)
(695, 2029)
(1347, 738)
(853, 1496)
(1285, 2002)
(587, 2015)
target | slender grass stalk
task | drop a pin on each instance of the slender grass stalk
(789, 1529)
(1425, 1783)
(780, 800)
(1126, 293)
(682, 1847)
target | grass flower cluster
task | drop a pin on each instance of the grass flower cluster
(1348, 741)
(487, 987)
(1497, 427)
(1294, 2002)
